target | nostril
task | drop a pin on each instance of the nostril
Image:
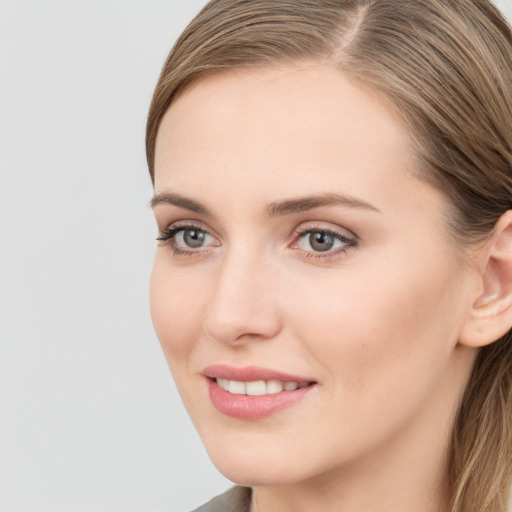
(236, 325)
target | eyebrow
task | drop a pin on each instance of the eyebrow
(180, 201)
(275, 209)
(303, 204)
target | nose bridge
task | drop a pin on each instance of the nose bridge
(242, 304)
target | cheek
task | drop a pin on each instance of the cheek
(376, 329)
(176, 306)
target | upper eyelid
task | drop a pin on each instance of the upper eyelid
(187, 223)
(303, 231)
(168, 237)
(348, 240)
(306, 227)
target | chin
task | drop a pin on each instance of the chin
(253, 464)
(249, 475)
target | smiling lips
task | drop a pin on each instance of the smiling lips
(259, 387)
(253, 393)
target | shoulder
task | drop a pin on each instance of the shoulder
(237, 499)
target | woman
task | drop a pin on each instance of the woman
(333, 283)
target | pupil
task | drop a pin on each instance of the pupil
(321, 241)
(193, 238)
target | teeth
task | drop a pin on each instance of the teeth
(256, 388)
(223, 383)
(236, 387)
(259, 387)
(274, 386)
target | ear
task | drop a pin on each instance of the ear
(490, 316)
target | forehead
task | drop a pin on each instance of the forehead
(305, 125)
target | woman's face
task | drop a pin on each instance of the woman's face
(301, 252)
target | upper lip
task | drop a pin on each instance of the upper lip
(250, 374)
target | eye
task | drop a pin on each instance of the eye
(323, 242)
(192, 238)
(187, 239)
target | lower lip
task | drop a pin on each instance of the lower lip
(249, 407)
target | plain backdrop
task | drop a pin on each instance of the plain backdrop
(89, 417)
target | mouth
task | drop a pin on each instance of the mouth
(259, 387)
(254, 393)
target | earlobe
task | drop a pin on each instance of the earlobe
(490, 317)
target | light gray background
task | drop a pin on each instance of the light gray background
(89, 418)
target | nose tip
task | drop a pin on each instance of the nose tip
(242, 308)
(239, 327)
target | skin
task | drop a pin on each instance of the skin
(374, 322)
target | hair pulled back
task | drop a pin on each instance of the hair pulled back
(446, 67)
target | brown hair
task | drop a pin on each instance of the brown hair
(446, 67)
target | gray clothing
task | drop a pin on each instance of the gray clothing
(237, 499)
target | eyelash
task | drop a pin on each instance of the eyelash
(168, 238)
(331, 254)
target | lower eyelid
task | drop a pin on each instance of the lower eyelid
(347, 243)
(331, 255)
(173, 232)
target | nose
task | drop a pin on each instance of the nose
(243, 302)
